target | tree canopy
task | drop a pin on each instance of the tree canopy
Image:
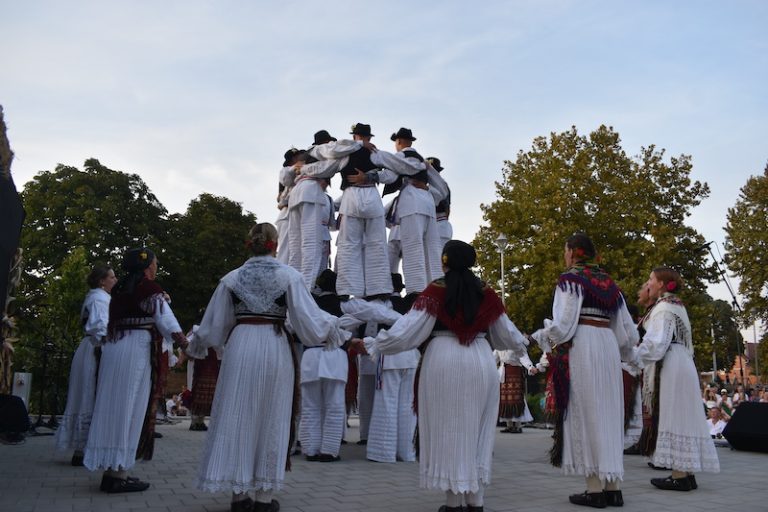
(634, 209)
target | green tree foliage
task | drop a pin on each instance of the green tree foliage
(746, 246)
(200, 246)
(633, 208)
(98, 209)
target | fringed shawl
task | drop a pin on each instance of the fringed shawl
(432, 300)
(132, 308)
(599, 290)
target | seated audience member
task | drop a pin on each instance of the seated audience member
(716, 422)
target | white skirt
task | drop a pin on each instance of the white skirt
(593, 430)
(74, 425)
(247, 442)
(458, 406)
(122, 396)
(684, 442)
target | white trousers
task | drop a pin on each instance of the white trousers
(420, 244)
(393, 421)
(362, 263)
(366, 388)
(322, 416)
(305, 242)
(281, 224)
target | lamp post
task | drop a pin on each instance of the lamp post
(501, 246)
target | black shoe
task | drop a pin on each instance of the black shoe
(672, 484)
(658, 468)
(589, 499)
(614, 498)
(472, 508)
(106, 481)
(199, 427)
(632, 450)
(692, 479)
(273, 506)
(126, 485)
(327, 457)
(446, 508)
(245, 505)
(313, 458)
(362, 442)
(77, 460)
(157, 435)
(344, 441)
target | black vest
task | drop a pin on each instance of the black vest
(443, 205)
(360, 159)
(329, 303)
(419, 176)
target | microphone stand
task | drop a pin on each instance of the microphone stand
(735, 304)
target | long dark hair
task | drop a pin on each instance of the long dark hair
(462, 287)
(135, 261)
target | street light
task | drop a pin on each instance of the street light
(501, 246)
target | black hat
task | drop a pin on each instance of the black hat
(403, 133)
(322, 137)
(435, 163)
(361, 129)
(137, 259)
(289, 156)
(326, 281)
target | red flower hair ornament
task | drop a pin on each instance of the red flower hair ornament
(671, 286)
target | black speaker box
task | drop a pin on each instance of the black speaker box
(748, 428)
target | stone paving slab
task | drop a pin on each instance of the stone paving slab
(34, 478)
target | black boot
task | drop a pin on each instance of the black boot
(272, 506)
(245, 505)
(672, 484)
(589, 499)
(614, 498)
(446, 508)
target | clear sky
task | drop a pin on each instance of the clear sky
(205, 96)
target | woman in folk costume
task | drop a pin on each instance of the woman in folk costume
(458, 393)
(679, 437)
(513, 408)
(248, 439)
(590, 325)
(73, 429)
(139, 318)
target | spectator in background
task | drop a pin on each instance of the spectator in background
(716, 422)
(725, 403)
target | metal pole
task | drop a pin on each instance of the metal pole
(757, 353)
(714, 356)
(502, 276)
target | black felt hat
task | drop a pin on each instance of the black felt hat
(361, 129)
(435, 163)
(289, 156)
(322, 137)
(403, 133)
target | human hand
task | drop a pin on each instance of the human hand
(358, 178)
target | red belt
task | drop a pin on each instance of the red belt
(606, 324)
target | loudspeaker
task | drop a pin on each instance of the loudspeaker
(748, 428)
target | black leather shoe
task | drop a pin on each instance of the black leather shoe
(589, 499)
(273, 506)
(118, 485)
(472, 508)
(446, 508)
(692, 479)
(658, 468)
(106, 481)
(327, 457)
(245, 505)
(157, 435)
(362, 442)
(313, 458)
(77, 460)
(614, 498)
(672, 484)
(632, 450)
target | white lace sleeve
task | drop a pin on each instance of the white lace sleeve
(311, 324)
(407, 333)
(287, 176)
(659, 329)
(218, 321)
(161, 312)
(565, 320)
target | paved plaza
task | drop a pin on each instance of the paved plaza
(33, 478)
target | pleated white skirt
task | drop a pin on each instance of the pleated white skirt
(122, 397)
(81, 396)
(247, 441)
(593, 430)
(458, 405)
(684, 442)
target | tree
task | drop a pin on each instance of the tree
(101, 210)
(746, 245)
(633, 208)
(200, 247)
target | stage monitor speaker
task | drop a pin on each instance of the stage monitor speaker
(748, 428)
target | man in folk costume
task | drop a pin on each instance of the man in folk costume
(305, 217)
(361, 257)
(513, 408)
(327, 224)
(139, 318)
(393, 421)
(679, 437)
(443, 208)
(394, 250)
(287, 178)
(323, 378)
(590, 327)
(410, 174)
